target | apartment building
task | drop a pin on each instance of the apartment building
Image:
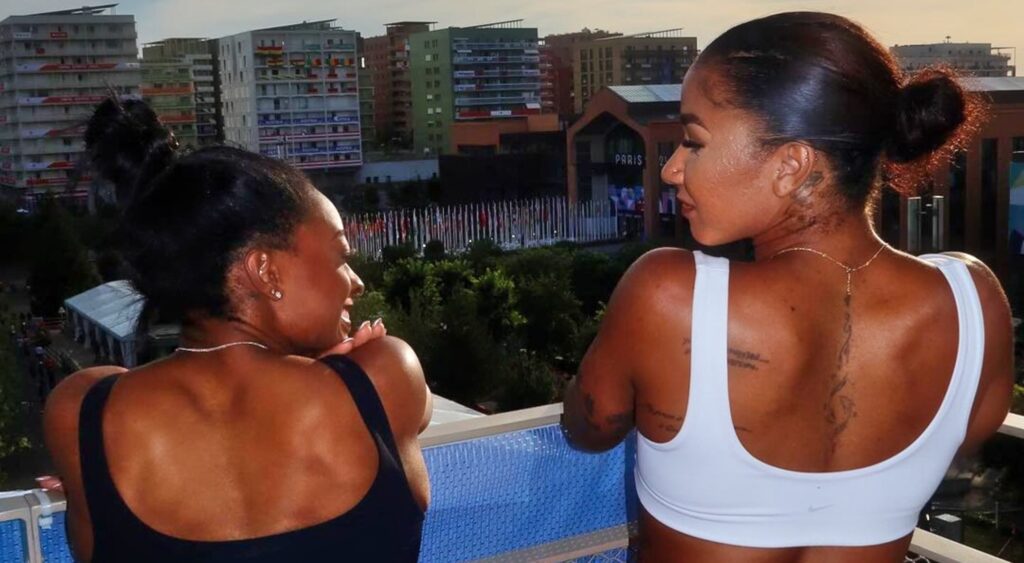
(190, 61)
(292, 92)
(657, 57)
(558, 92)
(54, 68)
(488, 72)
(387, 57)
(970, 59)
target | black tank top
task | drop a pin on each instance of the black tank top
(384, 526)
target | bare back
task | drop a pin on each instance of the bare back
(815, 385)
(237, 446)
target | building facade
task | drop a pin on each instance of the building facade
(168, 88)
(388, 58)
(558, 91)
(485, 72)
(659, 57)
(195, 55)
(292, 92)
(367, 99)
(54, 68)
(971, 59)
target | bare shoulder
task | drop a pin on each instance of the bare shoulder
(60, 418)
(396, 373)
(660, 274)
(992, 400)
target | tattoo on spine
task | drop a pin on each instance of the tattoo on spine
(841, 408)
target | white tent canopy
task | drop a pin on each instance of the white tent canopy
(105, 316)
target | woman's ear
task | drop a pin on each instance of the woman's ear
(794, 163)
(262, 273)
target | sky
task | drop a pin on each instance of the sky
(1000, 22)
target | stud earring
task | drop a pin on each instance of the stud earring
(276, 294)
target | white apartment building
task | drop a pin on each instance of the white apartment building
(971, 59)
(292, 92)
(54, 68)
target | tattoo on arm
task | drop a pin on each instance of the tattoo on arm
(666, 421)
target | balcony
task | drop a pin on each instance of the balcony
(495, 100)
(494, 59)
(502, 86)
(460, 46)
(505, 487)
(489, 73)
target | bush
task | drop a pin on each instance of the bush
(59, 264)
(434, 251)
(12, 413)
(530, 383)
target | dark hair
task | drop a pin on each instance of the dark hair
(823, 80)
(185, 218)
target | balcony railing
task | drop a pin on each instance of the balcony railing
(494, 59)
(494, 45)
(505, 487)
(495, 100)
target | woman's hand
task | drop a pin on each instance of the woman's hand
(50, 483)
(366, 332)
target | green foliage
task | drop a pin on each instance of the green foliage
(483, 254)
(434, 250)
(530, 383)
(59, 265)
(491, 325)
(392, 254)
(12, 424)
(1018, 399)
(13, 230)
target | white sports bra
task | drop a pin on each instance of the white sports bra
(704, 483)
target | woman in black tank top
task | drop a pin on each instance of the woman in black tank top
(239, 446)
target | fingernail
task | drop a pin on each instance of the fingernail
(347, 340)
(378, 322)
(365, 324)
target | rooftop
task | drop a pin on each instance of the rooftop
(83, 11)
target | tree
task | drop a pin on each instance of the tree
(12, 412)
(530, 382)
(59, 264)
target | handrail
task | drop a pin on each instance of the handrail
(924, 543)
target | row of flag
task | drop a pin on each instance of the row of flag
(510, 224)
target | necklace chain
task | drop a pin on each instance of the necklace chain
(221, 347)
(849, 270)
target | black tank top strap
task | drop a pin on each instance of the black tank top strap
(106, 508)
(366, 398)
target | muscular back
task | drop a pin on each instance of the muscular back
(226, 447)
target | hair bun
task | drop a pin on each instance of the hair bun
(128, 145)
(933, 107)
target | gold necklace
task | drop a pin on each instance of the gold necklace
(849, 270)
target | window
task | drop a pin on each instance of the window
(433, 43)
(437, 84)
(427, 58)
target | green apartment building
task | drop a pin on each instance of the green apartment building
(485, 72)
